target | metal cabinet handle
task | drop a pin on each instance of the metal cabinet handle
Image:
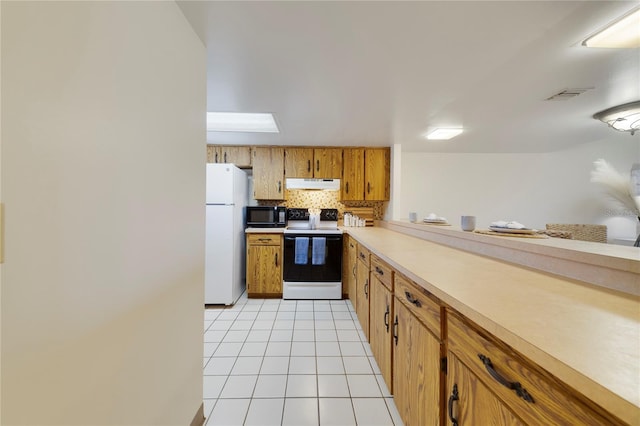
(379, 271)
(366, 289)
(317, 165)
(395, 331)
(225, 157)
(308, 165)
(279, 186)
(216, 160)
(386, 318)
(368, 187)
(515, 386)
(412, 299)
(264, 240)
(354, 270)
(362, 256)
(453, 398)
(276, 259)
(346, 187)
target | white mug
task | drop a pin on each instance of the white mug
(468, 223)
(413, 217)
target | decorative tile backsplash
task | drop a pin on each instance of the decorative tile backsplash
(323, 200)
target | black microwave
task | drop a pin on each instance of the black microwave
(266, 217)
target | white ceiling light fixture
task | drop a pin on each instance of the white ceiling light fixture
(241, 122)
(623, 118)
(443, 133)
(622, 33)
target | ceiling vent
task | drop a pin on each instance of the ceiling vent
(567, 94)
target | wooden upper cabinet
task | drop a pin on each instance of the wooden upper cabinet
(327, 163)
(211, 153)
(298, 162)
(376, 174)
(353, 174)
(268, 173)
(238, 155)
(322, 163)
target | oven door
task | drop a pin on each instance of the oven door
(304, 268)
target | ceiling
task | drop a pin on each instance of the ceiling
(381, 73)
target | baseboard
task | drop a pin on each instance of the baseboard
(198, 419)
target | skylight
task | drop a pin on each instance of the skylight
(241, 122)
(443, 133)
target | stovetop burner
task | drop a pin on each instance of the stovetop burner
(298, 222)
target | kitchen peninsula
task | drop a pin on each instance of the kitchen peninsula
(581, 339)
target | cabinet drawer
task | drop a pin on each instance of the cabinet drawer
(363, 254)
(264, 239)
(535, 395)
(417, 300)
(382, 271)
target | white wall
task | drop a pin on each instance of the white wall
(533, 189)
(103, 108)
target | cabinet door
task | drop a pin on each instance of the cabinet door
(238, 155)
(377, 169)
(362, 298)
(264, 270)
(352, 258)
(353, 174)
(298, 162)
(380, 338)
(327, 163)
(416, 370)
(470, 402)
(213, 154)
(268, 173)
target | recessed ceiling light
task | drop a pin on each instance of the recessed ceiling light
(623, 33)
(241, 122)
(443, 133)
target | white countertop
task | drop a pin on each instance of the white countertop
(264, 230)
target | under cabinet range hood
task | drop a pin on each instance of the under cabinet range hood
(303, 183)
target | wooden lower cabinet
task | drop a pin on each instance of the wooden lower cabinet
(443, 369)
(362, 296)
(416, 370)
(264, 265)
(349, 275)
(470, 402)
(535, 396)
(380, 324)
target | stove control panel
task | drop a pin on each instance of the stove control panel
(330, 215)
(297, 214)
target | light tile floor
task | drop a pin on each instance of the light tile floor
(287, 362)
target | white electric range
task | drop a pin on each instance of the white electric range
(312, 267)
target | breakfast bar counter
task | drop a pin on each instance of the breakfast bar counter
(585, 334)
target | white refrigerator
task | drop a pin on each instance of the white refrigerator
(227, 195)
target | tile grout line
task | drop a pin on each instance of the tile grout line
(338, 342)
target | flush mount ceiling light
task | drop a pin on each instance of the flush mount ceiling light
(623, 118)
(442, 133)
(622, 33)
(241, 122)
